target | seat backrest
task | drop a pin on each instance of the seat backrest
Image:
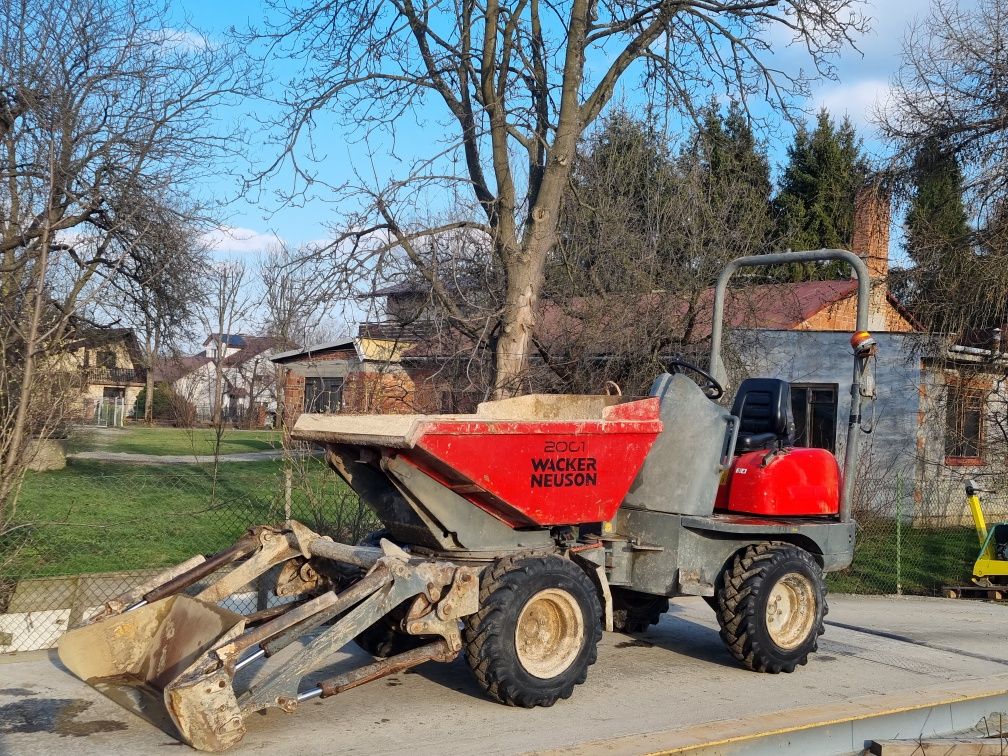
(763, 405)
(680, 474)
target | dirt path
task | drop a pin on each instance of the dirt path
(175, 459)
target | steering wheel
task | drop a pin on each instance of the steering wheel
(710, 385)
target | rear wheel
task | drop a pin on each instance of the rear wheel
(385, 637)
(536, 632)
(771, 604)
(635, 612)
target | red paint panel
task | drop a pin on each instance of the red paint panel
(795, 482)
(560, 472)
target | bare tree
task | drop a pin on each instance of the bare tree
(228, 304)
(159, 287)
(297, 293)
(514, 92)
(101, 103)
(297, 298)
(949, 90)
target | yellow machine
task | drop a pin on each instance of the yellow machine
(991, 567)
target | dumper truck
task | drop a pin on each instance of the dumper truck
(513, 536)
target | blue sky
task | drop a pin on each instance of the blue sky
(251, 225)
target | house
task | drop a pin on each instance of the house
(247, 378)
(940, 408)
(372, 373)
(109, 364)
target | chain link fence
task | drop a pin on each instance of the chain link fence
(93, 530)
(915, 539)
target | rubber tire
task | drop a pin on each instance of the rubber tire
(385, 638)
(635, 612)
(742, 598)
(489, 635)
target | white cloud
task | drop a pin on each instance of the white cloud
(184, 40)
(859, 100)
(234, 239)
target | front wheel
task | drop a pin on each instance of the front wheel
(386, 637)
(536, 632)
(771, 605)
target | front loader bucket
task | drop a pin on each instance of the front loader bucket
(133, 658)
(172, 659)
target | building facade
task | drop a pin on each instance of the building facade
(354, 376)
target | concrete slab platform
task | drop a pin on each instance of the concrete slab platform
(677, 678)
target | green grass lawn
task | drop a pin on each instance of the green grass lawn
(927, 559)
(100, 517)
(155, 440)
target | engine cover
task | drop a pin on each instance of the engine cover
(782, 483)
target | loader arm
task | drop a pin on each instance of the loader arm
(172, 658)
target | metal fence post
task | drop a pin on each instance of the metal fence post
(287, 493)
(899, 535)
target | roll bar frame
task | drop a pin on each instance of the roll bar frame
(852, 449)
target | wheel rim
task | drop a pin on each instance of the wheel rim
(549, 633)
(791, 610)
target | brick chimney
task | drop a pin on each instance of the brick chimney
(870, 242)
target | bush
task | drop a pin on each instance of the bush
(162, 408)
(182, 412)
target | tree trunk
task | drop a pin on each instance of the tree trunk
(524, 283)
(218, 399)
(517, 326)
(151, 346)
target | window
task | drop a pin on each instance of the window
(107, 360)
(323, 395)
(964, 407)
(815, 411)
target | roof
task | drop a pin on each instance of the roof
(92, 336)
(311, 350)
(779, 307)
(770, 306)
(404, 287)
(253, 346)
(170, 369)
(236, 340)
(602, 330)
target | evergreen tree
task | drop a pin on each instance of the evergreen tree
(638, 218)
(737, 173)
(612, 215)
(937, 229)
(958, 278)
(815, 204)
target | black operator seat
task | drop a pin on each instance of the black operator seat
(763, 407)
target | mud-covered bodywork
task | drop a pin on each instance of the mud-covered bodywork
(588, 506)
(174, 660)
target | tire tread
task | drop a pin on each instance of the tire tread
(740, 586)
